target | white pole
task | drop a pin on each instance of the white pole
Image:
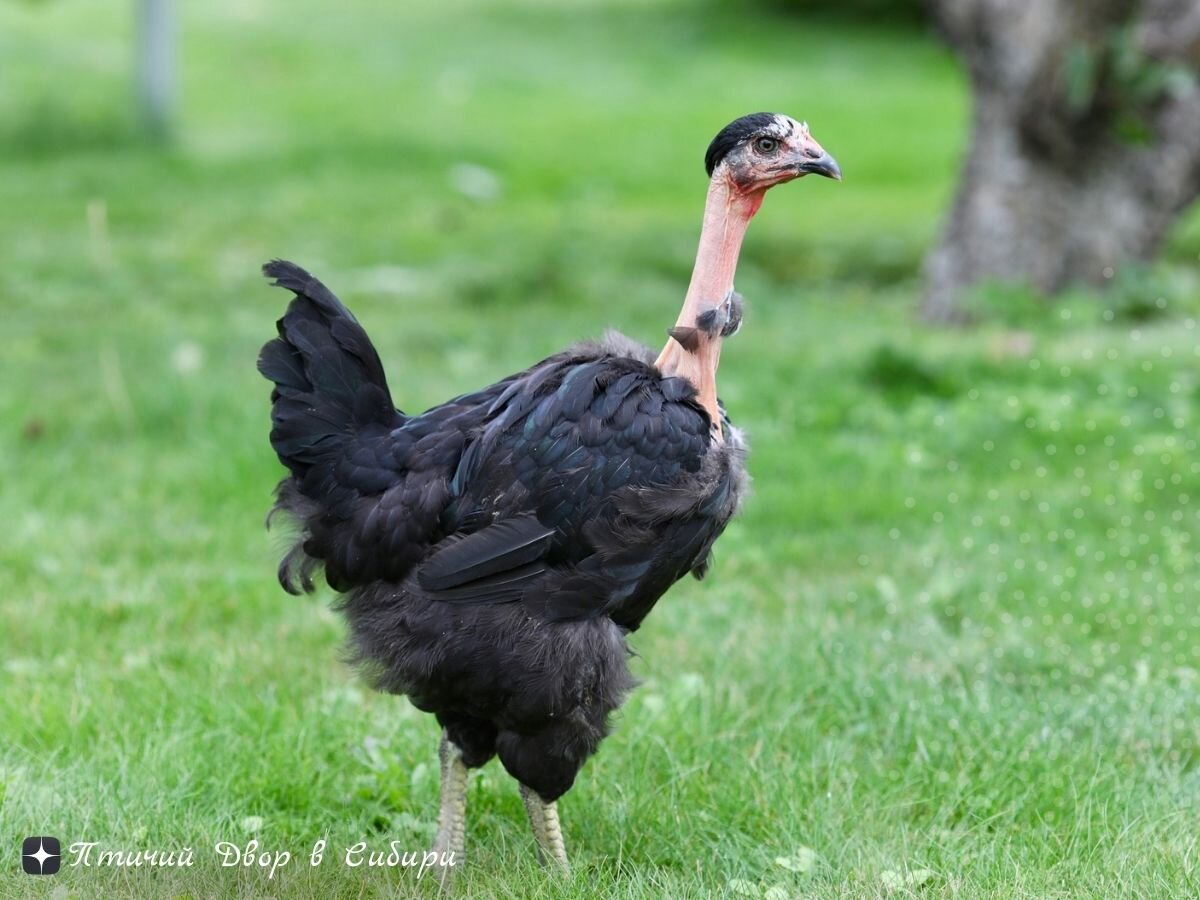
(156, 64)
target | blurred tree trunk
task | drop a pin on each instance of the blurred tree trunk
(1085, 144)
(156, 64)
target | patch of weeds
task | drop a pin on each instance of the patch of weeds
(865, 260)
(1141, 293)
(49, 128)
(902, 376)
(1008, 303)
(1136, 293)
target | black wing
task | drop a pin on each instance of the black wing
(594, 486)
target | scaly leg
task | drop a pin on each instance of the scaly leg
(547, 832)
(450, 842)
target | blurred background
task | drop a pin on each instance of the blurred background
(952, 645)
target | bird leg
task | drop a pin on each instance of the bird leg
(450, 842)
(547, 832)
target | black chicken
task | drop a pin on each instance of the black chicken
(495, 551)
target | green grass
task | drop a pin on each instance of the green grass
(952, 647)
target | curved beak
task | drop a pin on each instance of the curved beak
(823, 165)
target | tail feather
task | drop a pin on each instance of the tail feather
(329, 381)
(295, 279)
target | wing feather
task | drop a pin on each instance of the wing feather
(501, 547)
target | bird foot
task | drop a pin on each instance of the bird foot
(547, 831)
(450, 842)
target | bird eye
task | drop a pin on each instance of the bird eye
(766, 145)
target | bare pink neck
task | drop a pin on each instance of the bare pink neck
(727, 214)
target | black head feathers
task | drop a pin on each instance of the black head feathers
(733, 134)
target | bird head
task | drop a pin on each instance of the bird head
(762, 150)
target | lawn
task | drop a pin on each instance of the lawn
(952, 647)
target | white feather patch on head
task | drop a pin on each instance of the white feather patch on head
(785, 126)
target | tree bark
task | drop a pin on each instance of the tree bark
(1055, 188)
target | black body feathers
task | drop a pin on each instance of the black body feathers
(494, 550)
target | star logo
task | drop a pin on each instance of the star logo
(41, 855)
